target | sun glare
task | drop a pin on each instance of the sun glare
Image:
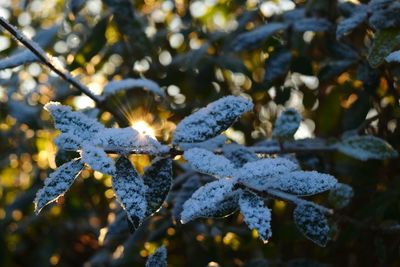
(144, 128)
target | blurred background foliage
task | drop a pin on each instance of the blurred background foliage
(197, 52)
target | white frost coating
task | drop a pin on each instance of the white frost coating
(97, 159)
(253, 38)
(130, 190)
(158, 258)
(74, 123)
(341, 195)
(18, 59)
(286, 124)
(256, 174)
(366, 147)
(312, 224)
(347, 25)
(393, 57)
(207, 162)
(116, 86)
(204, 202)
(256, 215)
(68, 142)
(57, 183)
(210, 144)
(302, 183)
(210, 121)
(127, 139)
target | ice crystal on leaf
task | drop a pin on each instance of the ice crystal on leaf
(257, 174)
(58, 183)
(286, 124)
(68, 141)
(114, 87)
(302, 183)
(206, 200)
(366, 147)
(207, 162)
(130, 190)
(256, 215)
(312, 223)
(158, 258)
(212, 120)
(158, 179)
(97, 159)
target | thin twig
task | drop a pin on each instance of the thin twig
(366, 123)
(62, 73)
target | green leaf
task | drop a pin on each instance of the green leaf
(58, 183)
(384, 42)
(130, 191)
(312, 223)
(158, 179)
(366, 147)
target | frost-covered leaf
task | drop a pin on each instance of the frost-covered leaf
(186, 191)
(212, 120)
(386, 16)
(303, 183)
(347, 25)
(384, 42)
(18, 59)
(67, 141)
(210, 144)
(238, 154)
(341, 195)
(130, 190)
(312, 223)
(127, 139)
(58, 183)
(255, 38)
(207, 162)
(114, 87)
(73, 122)
(206, 200)
(158, 258)
(287, 124)
(256, 174)
(393, 57)
(97, 159)
(158, 179)
(256, 215)
(366, 147)
(277, 66)
(312, 24)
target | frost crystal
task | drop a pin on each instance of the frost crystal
(158, 179)
(238, 154)
(130, 190)
(210, 144)
(303, 183)
(312, 224)
(18, 59)
(57, 183)
(257, 174)
(114, 87)
(158, 258)
(254, 38)
(210, 121)
(206, 200)
(366, 147)
(207, 162)
(287, 124)
(341, 195)
(255, 214)
(97, 159)
(68, 142)
(127, 139)
(73, 122)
